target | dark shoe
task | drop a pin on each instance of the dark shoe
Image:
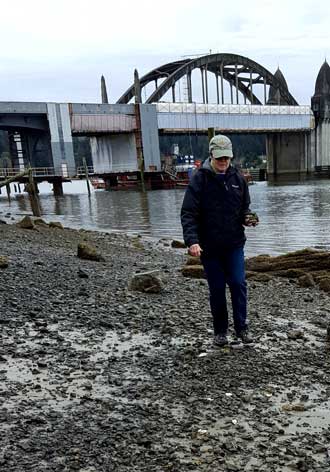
(245, 337)
(220, 340)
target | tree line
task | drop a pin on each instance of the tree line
(248, 148)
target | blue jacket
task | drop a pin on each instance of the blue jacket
(214, 208)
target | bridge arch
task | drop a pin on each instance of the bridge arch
(240, 72)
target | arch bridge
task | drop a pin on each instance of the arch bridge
(243, 75)
(227, 92)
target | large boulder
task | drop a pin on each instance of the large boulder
(147, 282)
(308, 266)
(3, 262)
(292, 264)
(26, 223)
(88, 252)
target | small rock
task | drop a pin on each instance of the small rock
(328, 333)
(206, 448)
(294, 407)
(296, 334)
(178, 244)
(88, 252)
(3, 262)
(306, 281)
(55, 224)
(40, 222)
(82, 274)
(26, 223)
(146, 282)
(324, 284)
(192, 260)
(193, 271)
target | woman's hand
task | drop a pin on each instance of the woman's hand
(251, 219)
(195, 250)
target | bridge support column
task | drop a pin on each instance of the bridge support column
(110, 181)
(288, 155)
(61, 139)
(210, 133)
(322, 143)
(8, 192)
(58, 188)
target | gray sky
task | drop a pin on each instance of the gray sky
(56, 50)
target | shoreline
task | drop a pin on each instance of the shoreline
(289, 220)
(97, 377)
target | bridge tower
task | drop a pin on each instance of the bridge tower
(274, 95)
(321, 110)
(288, 153)
(104, 94)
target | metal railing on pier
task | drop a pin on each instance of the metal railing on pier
(36, 172)
(82, 171)
(170, 170)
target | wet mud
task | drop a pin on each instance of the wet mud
(95, 377)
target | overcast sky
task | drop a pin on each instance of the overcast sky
(56, 50)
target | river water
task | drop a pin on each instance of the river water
(292, 215)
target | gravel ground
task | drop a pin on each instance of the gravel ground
(96, 378)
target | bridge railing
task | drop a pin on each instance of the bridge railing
(36, 172)
(322, 170)
(202, 108)
(82, 171)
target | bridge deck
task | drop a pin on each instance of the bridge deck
(183, 117)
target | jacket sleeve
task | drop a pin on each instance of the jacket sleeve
(190, 211)
(246, 198)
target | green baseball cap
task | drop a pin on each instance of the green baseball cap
(221, 146)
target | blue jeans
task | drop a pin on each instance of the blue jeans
(227, 268)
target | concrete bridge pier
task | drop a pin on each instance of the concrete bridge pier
(288, 155)
(30, 147)
(8, 192)
(110, 181)
(58, 188)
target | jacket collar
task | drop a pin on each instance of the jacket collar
(207, 167)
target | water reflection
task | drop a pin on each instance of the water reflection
(292, 215)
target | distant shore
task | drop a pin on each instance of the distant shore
(97, 377)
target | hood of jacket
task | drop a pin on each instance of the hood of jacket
(208, 167)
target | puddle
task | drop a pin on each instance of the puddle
(314, 403)
(118, 345)
(18, 371)
(57, 386)
(60, 389)
(313, 335)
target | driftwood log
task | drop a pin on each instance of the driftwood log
(31, 188)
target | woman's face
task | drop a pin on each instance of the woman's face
(221, 163)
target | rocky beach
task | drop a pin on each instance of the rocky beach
(96, 376)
